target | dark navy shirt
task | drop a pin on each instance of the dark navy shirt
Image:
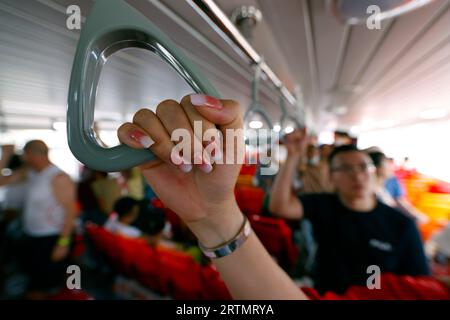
(350, 241)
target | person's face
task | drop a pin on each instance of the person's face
(312, 152)
(325, 151)
(31, 160)
(353, 174)
(384, 171)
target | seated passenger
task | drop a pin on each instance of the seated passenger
(353, 229)
(151, 222)
(126, 211)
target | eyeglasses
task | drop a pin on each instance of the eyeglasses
(347, 169)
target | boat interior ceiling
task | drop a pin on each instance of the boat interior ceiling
(348, 76)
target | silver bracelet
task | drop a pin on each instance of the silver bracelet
(230, 246)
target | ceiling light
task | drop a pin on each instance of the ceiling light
(288, 129)
(255, 124)
(59, 125)
(277, 128)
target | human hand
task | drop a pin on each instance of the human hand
(198, 186)
(296, 142)
(59, 253)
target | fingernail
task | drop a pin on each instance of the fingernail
(143, 139)
(206, 168)
(201, 100)
(185, 167)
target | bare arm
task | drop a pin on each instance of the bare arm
(17, 176)
(258, 275)
(65, 193)
(283, 201)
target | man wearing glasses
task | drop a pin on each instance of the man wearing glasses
(352, 228)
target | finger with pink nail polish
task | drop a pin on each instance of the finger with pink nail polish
(143, 139)
(201, 100)
(183, 164)
(185, 167)
(206, 167)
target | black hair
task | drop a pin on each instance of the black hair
(151, 220)
(342, 149)
(124, 205)
(15, 162)
(325, 145)
(37, 147)
(377, 158)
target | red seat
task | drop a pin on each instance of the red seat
(79, 246)
(182, 274)
(107, 244)
(172, 217)
(67, 294)
(276, 237)
(111, 246)
(248, 169)
(440, 187)
(130, 249)
(250, 199)
(149, 271)
(393, 287)
(214, 287)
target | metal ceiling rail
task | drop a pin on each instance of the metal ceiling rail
(219, 21)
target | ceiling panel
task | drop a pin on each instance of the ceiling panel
(404, 31)
(375, 73)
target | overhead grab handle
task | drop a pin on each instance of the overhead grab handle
(111, 26)
(255, 106)
(286, 118)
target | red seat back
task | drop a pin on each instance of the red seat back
(172, 217)
(68, 294)
(214, 287)
(149, 271)
(182, 274)
(276, 237)
(393, 287)
(250, 199)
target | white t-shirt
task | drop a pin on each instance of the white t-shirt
(43, 214)
(115, 226)
(15, 196)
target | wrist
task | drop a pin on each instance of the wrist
(294, 159)
(220, 225)
(63, 241)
